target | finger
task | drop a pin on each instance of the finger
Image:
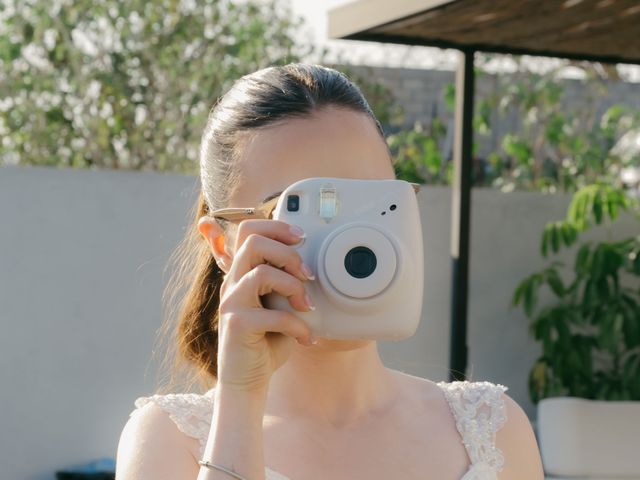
(275, 229)
(260, 281)
(257, 250)
(260, 321)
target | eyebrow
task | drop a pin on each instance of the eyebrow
(269, 197)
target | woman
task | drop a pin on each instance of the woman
(286, 405)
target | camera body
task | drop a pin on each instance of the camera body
(364, 243)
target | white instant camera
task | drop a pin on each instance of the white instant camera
(364, 244)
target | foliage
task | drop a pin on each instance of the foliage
(417, 154)
(126, 84)
(561, 144)
(555, 145)
(591, 334)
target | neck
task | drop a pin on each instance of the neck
(337, 383)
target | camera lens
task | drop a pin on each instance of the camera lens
(360, 262)
(293, 203)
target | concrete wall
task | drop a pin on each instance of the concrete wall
(81, 276)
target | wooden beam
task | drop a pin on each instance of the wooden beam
(592, 30)
(362, 15)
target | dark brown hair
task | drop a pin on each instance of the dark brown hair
(257, 100)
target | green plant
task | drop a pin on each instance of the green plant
(417, 156)
(127, 85)
(560, 145)
(590, 334)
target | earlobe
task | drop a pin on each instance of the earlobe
(214, 235)
(220, 252)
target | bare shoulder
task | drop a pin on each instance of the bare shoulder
(516, 439)
(152, 447)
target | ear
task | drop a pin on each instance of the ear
(214, 235)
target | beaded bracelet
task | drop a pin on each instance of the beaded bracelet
(204, 463)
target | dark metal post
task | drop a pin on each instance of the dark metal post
(461, 213)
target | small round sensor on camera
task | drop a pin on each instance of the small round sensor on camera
(293, 203)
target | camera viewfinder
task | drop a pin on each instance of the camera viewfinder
(293, 203)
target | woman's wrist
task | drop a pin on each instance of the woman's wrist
(235, 438)
(248, 402)
(255, 392)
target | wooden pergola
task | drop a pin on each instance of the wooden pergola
(605, 31)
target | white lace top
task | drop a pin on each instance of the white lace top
(477, 407)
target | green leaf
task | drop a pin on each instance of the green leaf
(554, 128)
(612, 207)
(530, 294)
(517, 148)
(546, 234)
(631, 324)
(518, 294)
(597, 207)
(597, 265)
(555, 282)
(450, 96)
(582, 260)
(575, 213)
(631, 367)
(569, 233)
(555, 238)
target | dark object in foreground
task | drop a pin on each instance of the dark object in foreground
(101, 469)
(85, 476)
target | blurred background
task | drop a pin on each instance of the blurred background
(102, 104)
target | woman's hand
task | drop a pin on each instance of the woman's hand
(264, 262)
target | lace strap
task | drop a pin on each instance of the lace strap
(478, 408)
(191, 412)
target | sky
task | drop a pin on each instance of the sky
(314, 13)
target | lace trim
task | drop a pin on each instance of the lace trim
(479, 411)
(191, 412)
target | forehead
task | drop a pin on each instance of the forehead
(331, 142)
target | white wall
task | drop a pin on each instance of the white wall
(81, 276)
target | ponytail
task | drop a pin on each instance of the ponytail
(195, 286)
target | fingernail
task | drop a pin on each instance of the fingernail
(297, 231)
(313, 340)
(307, 272)
(309, 302)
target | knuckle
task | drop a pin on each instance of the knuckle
(261, 272)
(252, 241)
(223, 306)
(233, 322)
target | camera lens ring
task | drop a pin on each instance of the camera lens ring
(336, 246)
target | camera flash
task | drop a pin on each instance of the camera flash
(328, 203)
